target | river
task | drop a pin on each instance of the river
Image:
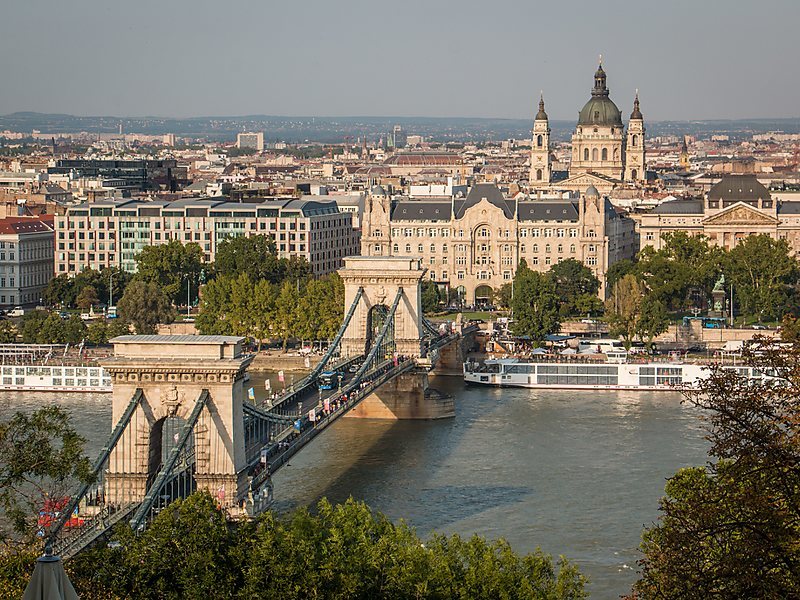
(576, 473)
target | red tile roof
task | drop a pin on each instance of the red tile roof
(26, 224)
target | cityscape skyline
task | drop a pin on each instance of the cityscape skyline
(185, 60)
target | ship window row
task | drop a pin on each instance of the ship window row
(55, 371)
(577, 380)
(577, 369)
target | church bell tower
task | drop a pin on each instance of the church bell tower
(540, 149)
(635, 168)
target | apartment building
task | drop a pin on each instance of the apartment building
(26, 259)
(111, 233)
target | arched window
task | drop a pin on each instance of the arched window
(594, 154)
(560, 248)
(616, 153)
(536, 247)
(538, 174)
(547, 248)
(539, 141)
(585, 154)
(605, 154)
(572, 248)
(634, 174)
(420, 249)
(408, 248)
(635, 140)
(433, 248)
(396, 249)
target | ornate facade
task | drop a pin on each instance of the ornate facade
(736, 207)
(475, 243)
(601, 146)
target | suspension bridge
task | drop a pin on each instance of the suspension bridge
(182, 420)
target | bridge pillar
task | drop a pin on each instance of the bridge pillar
(381, 277)
(172, 372)
(407, 396)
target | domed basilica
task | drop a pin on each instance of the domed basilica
(604, 153)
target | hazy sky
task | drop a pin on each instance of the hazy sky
(691, 59)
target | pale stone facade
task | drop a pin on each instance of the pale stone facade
(734, 208)
(541, 166)
(475, 244)
(380, 278)
(172, 372)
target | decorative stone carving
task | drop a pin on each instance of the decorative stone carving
(172, 399)
(740, 215)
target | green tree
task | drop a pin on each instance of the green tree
(572, 280)
(255, 255)
(170, 266)
(624, 307)
(97, 333)
(145, 305)
(429, 296)
(118, 327)
(683, 263)
(51, 330)
(286, 318)
(41, 458)
(74, 330)
(653, 320)
(213, 317)
(321, 308)
(60, 291)
(535, 304)
(32, 325)
(731, 529)
(8, 332)
(87, 298)
(762, 273)
(503, 295)
(618, 270)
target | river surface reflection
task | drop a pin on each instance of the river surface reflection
(575, 473)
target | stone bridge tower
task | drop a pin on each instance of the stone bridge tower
(381, 277)
(172, 372)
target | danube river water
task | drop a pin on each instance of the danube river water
(575, 473)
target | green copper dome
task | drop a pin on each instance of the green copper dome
(600, 109)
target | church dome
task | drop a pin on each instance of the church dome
(600, 109)
(377, 190)
(591, 192)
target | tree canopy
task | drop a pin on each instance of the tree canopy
(172, 267)
(535, 304)
(145, 305)
(731, 529)
(576, 287)
(341, 551)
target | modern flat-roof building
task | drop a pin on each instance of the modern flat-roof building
(26, 259)
(111, 233)
(130, 174)
(475, 243)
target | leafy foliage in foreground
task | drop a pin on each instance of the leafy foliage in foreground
(339, 552)
(732, 529)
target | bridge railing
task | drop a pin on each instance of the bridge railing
(69, 519)
(292, 439)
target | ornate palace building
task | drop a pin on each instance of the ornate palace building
(474, 242)
(734, 208)
(604, 153)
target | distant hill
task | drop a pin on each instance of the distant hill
(335, 129)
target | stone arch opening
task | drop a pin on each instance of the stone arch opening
(594, 154)
(376, 319)
(164, 435)
(538, 174)
(483, 295)
(634, 173)
(605, 154)
(539, 141)
(585, 154)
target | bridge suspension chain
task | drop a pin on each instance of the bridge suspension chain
(166, 474)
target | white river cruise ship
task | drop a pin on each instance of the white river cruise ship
(557, 374)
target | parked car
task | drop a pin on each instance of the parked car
(760, 327)
(17, 311)
(64, 315)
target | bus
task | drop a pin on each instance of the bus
(707, 322)
(329, 380)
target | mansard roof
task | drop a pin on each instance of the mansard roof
(406, 209)
(679, 207)
(738, 188)
(547, 210)
(484, 191)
